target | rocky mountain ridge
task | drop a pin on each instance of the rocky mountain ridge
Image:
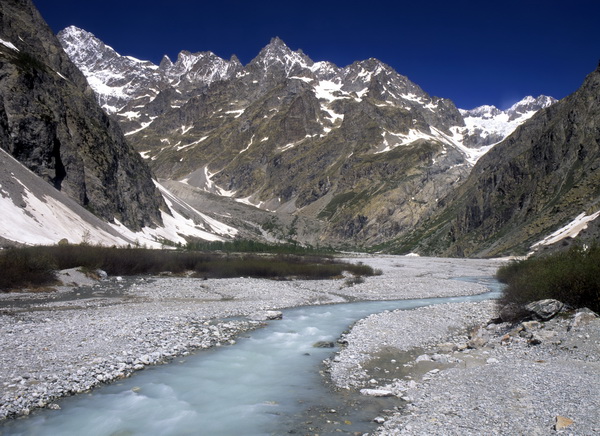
(361, 149)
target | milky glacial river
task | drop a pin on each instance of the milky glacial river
(259, 386)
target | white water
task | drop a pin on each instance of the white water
(255, 387)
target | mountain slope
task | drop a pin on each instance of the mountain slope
(357, 147)
(33, 212)
(540, 178)
(50, 122)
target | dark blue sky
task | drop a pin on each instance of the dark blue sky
(473, 52)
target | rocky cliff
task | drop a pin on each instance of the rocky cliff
(50, 121)
(542, 177)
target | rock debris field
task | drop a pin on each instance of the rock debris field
(450, 369)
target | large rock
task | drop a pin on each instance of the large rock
(544, 309)
(581, 317)
(266, 315)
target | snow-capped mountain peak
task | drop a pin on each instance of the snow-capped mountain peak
(528, 106)
(278, 55)
(487, 125)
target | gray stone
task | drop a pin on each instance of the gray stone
(544, 309)
(531, 325)
(267, 315)
(377, 392)
(583, 316)
(323, 344)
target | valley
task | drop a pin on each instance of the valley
(116, 156)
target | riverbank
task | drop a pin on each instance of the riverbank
(454, 372)
(88, 333)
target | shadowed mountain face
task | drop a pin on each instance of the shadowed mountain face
(537, 180)
(50, 121)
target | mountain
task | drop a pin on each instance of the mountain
(360, 152)
(541, 178)
(86, 181)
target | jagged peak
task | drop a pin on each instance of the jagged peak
(73, 30)
(276, 41)
(529, 101)
(166, 63)
(75, 36)
(278, 52)
(480, 111)
(368, 68)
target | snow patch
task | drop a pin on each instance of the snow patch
(130, 115)
(238, 112)
(46, 220)
(213, 187)
(571, 230)
(9, 45)
(144, 125)
(249, 145)
(181, 147)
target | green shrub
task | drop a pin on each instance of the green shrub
(572, 277)
(249, 246)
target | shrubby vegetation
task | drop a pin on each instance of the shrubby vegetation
(572, 277)
(35, 266)
(25, 268)
(249, 246)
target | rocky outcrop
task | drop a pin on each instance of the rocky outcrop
(50, 122)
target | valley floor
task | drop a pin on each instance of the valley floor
(78, 337)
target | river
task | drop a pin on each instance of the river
(262, 385)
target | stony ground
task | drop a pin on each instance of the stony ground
(454, 372)
(88, 333)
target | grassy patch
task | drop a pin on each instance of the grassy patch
(572, 277)
(23, 267)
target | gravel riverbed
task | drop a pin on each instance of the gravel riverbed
(454, 372)
(89, 333)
